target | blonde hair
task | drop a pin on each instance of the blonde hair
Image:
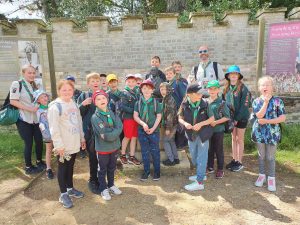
(63, 82)
(23, 70)
(169, 68)
(264, 79)
(92, 76)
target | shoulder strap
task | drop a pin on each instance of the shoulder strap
(20, 85)
(155, 105)
(59, 107)
(139, 104)
(86, 94)
(195, 72)
(215, 65)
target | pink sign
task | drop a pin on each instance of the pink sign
(283, 56)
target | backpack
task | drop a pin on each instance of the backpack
(9, 114)
(59, 107)
(229, 125)
(215, 66)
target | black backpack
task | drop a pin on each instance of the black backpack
(215, 66)
(7, 100)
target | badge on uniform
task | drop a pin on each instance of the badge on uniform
(101, 125)
(14, 90)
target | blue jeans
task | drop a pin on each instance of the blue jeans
(199, 154)
(150, 145)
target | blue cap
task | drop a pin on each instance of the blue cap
(233, 69)
(70, 77)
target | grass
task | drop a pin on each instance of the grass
(11, 153)
(288, 151)
(12, 162)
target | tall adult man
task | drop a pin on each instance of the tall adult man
(207, 70)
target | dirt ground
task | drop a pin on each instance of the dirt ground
(231, 200)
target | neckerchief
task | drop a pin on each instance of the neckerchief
(195, 107)
(131, 91)
(230, 95)
(145, 109)
(171, 82)
(204, 66)
(43, 106)
(27, 90)
(107, 115)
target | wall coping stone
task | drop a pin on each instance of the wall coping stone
(270, 10)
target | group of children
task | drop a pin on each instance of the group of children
(105, 119)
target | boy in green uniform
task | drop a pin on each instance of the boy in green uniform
(147, 113)
(221, 115)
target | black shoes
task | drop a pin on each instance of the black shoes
(32, 170)
(144, 176)
(94, 186)
(169, 163)
(49, 174)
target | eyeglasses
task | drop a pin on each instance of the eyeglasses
(203, 51)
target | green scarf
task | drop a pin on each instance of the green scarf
(230, 95)
(107, 114)
(128, 89)
(171, 82)
(195, 107)
(43, 106)
(204, 66)
(145, 109)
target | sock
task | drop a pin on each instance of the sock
(69, 189)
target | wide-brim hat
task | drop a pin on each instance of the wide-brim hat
(233, 69)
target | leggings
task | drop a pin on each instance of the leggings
(28, 132)
(238, 135)
(65, 173)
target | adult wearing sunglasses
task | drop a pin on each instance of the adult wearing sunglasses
(206, 70)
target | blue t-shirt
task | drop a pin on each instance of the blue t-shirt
(267, 133)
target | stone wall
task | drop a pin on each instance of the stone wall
(129, 47)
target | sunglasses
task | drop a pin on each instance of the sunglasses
(203, 51)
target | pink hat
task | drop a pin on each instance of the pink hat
(99, 92)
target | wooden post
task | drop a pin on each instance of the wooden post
(51, 65)
(260, 51)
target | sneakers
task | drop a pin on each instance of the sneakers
(93, 186)
(210, 170)
(115, 190)
(144, 176)
(123, 159)
(194, 178)
(195, 186)
(49, 174)
(105, 195)
(133, 160)
(230, 165)
(237, 166)
(75, 193)
(168, 162)
(260, 180)
(156, 176)
(66, 200)
(271, 184)
(219, 174)
(32, 170)
(177, 161)
(82, 154)
(41, 165)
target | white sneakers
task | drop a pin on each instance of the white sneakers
(195, 186)
(262, 179)
(113, 189)
(105, 195)
(271, 184)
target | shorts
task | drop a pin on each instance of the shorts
(130, 128)
(241, 124)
